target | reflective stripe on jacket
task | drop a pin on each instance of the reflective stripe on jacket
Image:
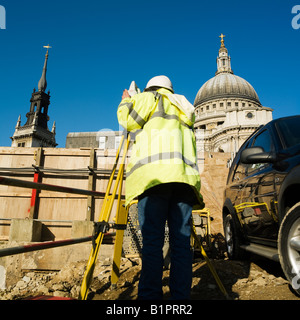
(164, 148)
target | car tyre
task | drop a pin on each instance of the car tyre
(233, 239)
(289, 246)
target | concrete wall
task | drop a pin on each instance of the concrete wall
(101, 139)
(12, 267)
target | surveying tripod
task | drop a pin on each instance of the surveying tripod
(103, 225)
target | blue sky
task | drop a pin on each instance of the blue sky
(99, 47)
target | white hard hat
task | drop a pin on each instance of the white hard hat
(161, 82)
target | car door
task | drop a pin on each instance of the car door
(258, 194)
(236, 179)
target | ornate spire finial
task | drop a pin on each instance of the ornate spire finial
(54, 128)
(223, 60)
(222, 36)
(19, 122)
(47, 47)
(43, 82)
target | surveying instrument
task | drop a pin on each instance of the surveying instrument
(103, 225)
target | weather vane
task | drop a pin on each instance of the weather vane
(47, 47)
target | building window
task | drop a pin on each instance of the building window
(117, 142)
(207, 107)
(221, 105)
(250, 115)
(214, 106)
(229, 104)
(21, 145)
(236, 104)
(102, 143)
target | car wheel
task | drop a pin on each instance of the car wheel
(233, 239)
(289, 246)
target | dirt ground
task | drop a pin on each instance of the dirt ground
(254, 279)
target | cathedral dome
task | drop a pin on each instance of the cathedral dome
(227, 109)
(226, 85)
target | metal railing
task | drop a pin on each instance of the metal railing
(48, 187)
(42, 246)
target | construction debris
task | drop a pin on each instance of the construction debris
(257, 279)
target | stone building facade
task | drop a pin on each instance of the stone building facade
(103, 140)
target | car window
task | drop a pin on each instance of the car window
(240, 168)
(264, 141)
(290, 131)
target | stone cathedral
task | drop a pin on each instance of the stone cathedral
(227, 109)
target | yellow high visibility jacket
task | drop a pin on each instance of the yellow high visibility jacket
(164, 149)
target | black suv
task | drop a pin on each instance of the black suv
(261, 212)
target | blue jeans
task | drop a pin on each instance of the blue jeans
(173, 203)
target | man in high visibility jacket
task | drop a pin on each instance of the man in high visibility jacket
(163, 175)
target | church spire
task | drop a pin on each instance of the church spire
(35, 132)
(223, 60)
(42, 86)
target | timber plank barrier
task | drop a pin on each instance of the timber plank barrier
(58, 186)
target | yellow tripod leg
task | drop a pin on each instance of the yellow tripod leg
(88, 276)
(210, 265)
(104, 217)
(121, 219)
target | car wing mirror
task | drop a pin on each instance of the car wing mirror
(256, 155)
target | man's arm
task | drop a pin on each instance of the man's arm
(133, 112)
